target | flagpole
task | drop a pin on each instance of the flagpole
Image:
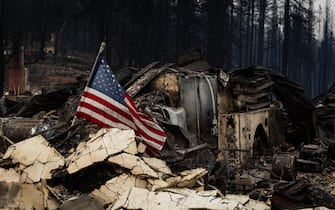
(101, 49)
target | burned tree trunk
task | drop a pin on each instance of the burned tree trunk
(160, 29)
(251, 54)
(2, 56)
(219, 34)
(286, 37)
(261, 31)
(184, 16)
(247, 42)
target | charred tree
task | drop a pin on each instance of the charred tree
(247, 41)
(184, 16)
(219, 50)
(160, 29)
(40, 19)
(2, 56)
(310, 65)
(251, 53)
(325, 52)
(273, 46)
(262, 8)
(240, 32)
(286, 41)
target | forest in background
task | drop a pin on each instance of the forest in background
(291, 36)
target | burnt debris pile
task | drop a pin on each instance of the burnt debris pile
(246, 139)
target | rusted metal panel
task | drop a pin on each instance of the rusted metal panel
(16, 74)
(16, 80)
(240, 134)
(284, 166)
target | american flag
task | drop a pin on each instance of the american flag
(105, 102)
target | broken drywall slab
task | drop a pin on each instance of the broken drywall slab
(158, 165)
(36, 159)
(186, 178)
(105, 143)
(135, 164)
(114, 188)
(182, 199)
(9, 175)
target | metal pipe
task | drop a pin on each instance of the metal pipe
(212, 96)
(196, 88)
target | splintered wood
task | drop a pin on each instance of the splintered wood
(36, 159)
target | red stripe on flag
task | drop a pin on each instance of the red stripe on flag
(133, 110)
(92, 119)
(101, 112)
(107, 104)
(152, 151)
(148, 137)
(132, 104)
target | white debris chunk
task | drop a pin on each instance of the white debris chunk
(114, 188)
(34, 172)
(135, 164)
(141, 148)
(158, 165)
(187, 178)
(157, 184)
(36, 159)
(185, 199)
(9, 175)
(240, 198)
(104, 143)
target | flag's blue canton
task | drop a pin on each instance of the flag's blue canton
(105, 82)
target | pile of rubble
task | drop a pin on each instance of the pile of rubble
(325, 110)
(257, 87)
(246, 139)
(137, 182)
